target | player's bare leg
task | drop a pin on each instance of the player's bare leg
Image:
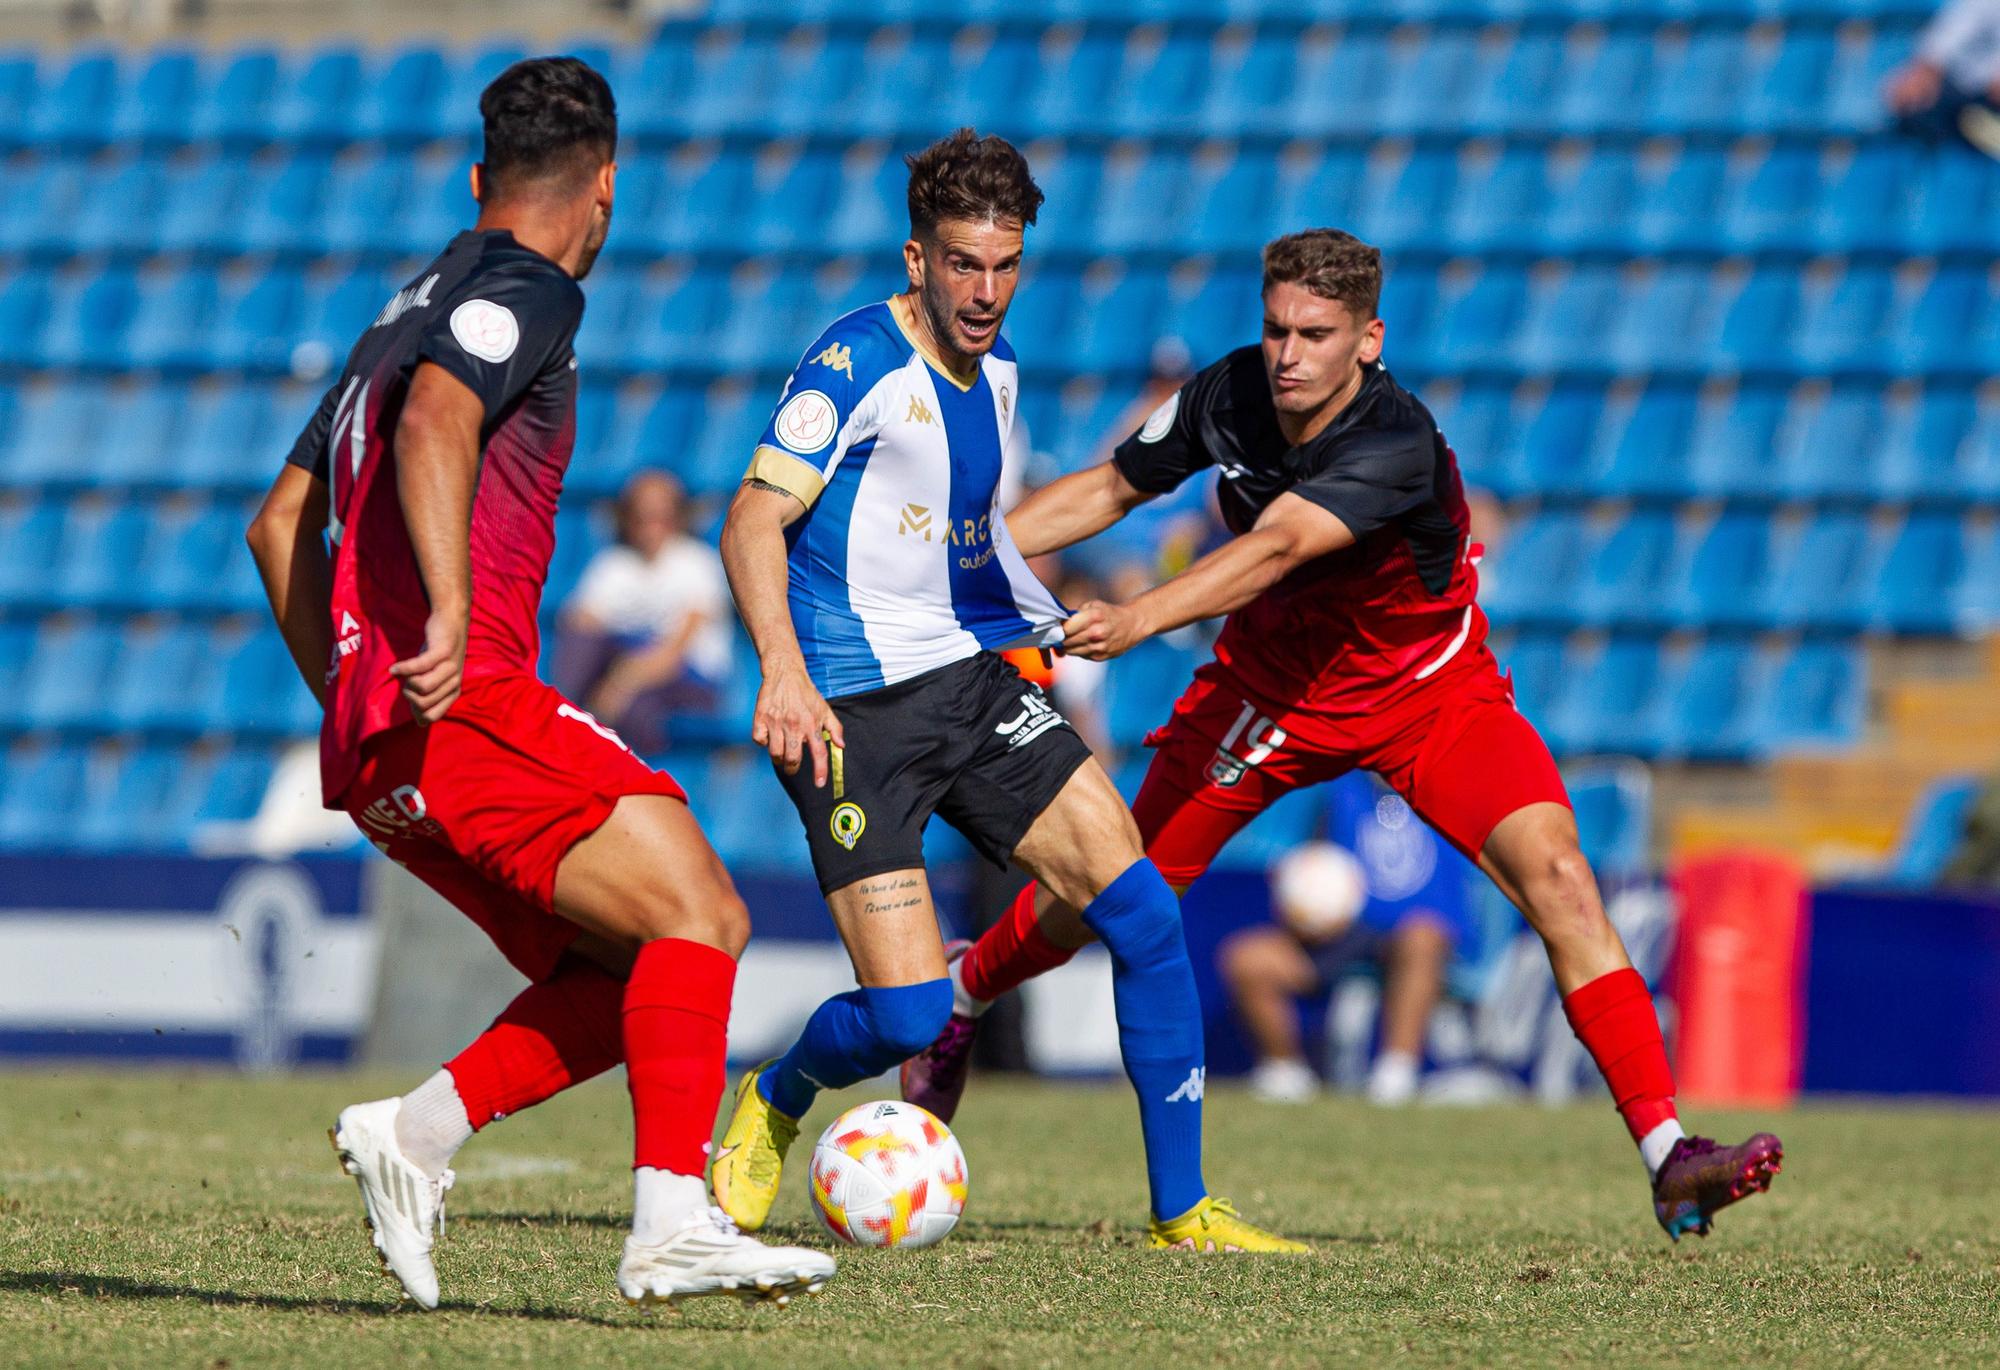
(1085, 849)
(648, 877)
(889, 927)
(1418, 954)
(1266, 970)
(1534, 857)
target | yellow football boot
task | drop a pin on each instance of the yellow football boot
(1214, 1225)
(751, 1159)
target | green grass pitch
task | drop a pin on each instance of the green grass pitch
(167, 1219)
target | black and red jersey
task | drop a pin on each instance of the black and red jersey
(1349, 630)
(501, 318)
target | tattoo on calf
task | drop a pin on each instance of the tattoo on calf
(889, 894)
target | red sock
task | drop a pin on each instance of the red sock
(676, 1025)
(555, 1034)
(1011, 951)
(1613, 1017)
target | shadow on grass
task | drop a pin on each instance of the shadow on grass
(119, 1287)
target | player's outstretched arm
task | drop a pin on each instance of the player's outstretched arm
(285, 540)
(1291, 532)
(792, 719)
(1066, 511)
(437, 469)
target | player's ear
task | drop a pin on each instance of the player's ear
(913, 262)
(607, 184)
(1371, 343)
(477, 179)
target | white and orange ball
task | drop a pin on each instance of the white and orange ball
(1319, 889)
(888, 1174)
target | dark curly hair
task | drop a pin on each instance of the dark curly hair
(548, 116)
(1332, 264)
(966, 176)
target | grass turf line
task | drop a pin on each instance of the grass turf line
(199, 1220)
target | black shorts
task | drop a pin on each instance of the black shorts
(972, 742)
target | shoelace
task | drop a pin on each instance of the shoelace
(444, 1183)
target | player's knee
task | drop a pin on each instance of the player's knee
(1564, 895)
(1246, 958)
(714, 915)
(1137, 916)
(904, 1019)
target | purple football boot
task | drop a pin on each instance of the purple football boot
(934, 1079)
(1700, 1177)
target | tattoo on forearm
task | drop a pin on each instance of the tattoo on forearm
(759, 483)
(891, 894)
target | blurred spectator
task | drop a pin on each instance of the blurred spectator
(646, 633)
(1387, 893)
(1951, 88)
(1975, 861)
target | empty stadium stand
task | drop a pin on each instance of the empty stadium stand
(1724, 345)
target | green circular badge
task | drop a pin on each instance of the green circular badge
(848, 825)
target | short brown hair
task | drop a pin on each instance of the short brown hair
(966, 176)
(1332, 264)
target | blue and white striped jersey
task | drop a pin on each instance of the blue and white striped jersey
(902, 562)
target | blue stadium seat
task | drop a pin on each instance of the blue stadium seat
(1956, 196)
(1404, 201)
(199, 199)
(43, 796)
(166, 682)
(1067, 225)
(24, 311)
(74, 110)
(137, 801)
(1828, 447)
(1159, 92)
(1250, 86)
(88, 316)
(769, 321)
(363, 212)
(1728, 566)
(1729, 451)
(29, 536)
(53, 432)
(1340, 87)
(1976, 608)
(258, 320)
(1429, 84)
(1919, 576)
(653, 91)
(868, 209)
(1979, 457)
(192, 560)
(17, 94)
(235, 786)
(1698, 89)
(906, 82)
(1934, 335)
(1621, 586)
(469, 71)
(333, 314)
(1854, 87)
(987, 80)
(151, 105)
(261, 692)
(1408, 308)
(172, 323)
(1615, 701)
(234, 108)
(749, 817)
(597, 419)
(1077, 82)
(1788, 95)
(65, 683)
(1844, 325)
(38, 202)
(1861, 210)
(1592, 202)
(1758, 321)
(1114, 322)
(1825, 575)
(131, 431)
(1920, 448)
(732, 418)
(1608, 92)
(1614, 816)
(1501, 206)
(1534, 662)
(1478, 423)
(104, 222)
(1935, 828)
(1140, 689)
(100, 550)
(315, 103)
(1679, 203)
(806, 195)
(1816, 698)
(1709, 713)
(400, 103)
(1319, 188)
(1531, 577)
(1228, 209)
(1516, 86)
(231, 439)
(1768, 205)
(1477, 322)
(1569, 321)
(707, 204)
(17, 649)
(1557, 447)
(1663, 324)
(282, 207)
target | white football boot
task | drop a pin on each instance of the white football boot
(707, 1255)
(405, 1205)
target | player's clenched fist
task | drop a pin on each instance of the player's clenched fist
(792, 719)
(431, 679)
(1099, 631)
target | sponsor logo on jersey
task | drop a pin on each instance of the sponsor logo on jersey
(401, 810)
(920, 413)
(807, 422)
(917, 520)
(1260, 735)
(848, 823)
(1037, 716)
(1161, 419)
(345, 645)
(404, 300)
(837, 357)
(487, 330)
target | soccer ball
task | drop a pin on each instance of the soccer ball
(888, 1174)
(1319, 888)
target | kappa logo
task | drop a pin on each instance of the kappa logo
(837, 357)
(1037, 716)
(346, 645)
(920, 413)
(1191, 1089)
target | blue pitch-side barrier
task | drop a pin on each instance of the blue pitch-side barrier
(267, 964)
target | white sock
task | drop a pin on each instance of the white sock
(1654, 1146)
(1394, 1078)
(963, 1003)
(431, 1125)
(662, 1201)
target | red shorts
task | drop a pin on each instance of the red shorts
(483, 805)
(1454, 747)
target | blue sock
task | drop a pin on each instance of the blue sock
(1159, 1028)
(853, 1037)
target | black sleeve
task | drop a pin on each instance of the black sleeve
(505, 328)
(309, 452)
(1168, 448)
(1376, 478)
